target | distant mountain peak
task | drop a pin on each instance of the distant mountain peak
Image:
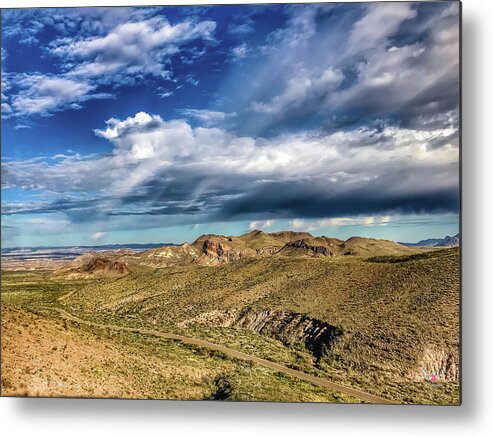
(447, 241)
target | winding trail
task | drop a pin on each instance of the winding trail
(368, 397)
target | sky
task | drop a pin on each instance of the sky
(159, 124)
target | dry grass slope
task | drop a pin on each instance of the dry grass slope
(398, 318)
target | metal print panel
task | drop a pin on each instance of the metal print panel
(236, 202)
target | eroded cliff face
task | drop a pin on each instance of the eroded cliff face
(288, 327)
(220, 252)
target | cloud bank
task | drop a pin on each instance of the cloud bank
(169, 167)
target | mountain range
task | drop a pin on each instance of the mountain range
(214, 250)
(448, 241)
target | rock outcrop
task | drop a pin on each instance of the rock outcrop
(316, 249)
(168, 256)
(288, 327)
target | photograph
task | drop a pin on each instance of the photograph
(234, 202)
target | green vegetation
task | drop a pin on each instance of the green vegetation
(436, 253)
(129, 364)
(398, 316)
(31, 289)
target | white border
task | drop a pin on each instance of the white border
(32, 417)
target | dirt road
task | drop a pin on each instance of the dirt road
(236, 354)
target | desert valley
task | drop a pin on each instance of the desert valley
(282, 316)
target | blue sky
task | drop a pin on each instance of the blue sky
(158, 124)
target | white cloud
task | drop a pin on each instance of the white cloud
(300, 28)
(117, 127)
(124, 54)
(335, 222)
(239, 52)
(41, 94)
(301, 91)
(380, 21)
(206, 116)
(165, 94)
(192, 80)
(297, 224)
(348, 68)
(22, 126)
(46, 225)
(241, 29)
(6, 109)
(146, 142)
(261, 224)
(201, 168)
(423, 76)
(383, 73)
(98, 235)
(5, 86)
(134, 48)
(417, 81)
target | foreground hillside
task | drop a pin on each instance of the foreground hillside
(387, 323)
(46, 356)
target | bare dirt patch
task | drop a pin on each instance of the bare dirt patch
(43, 357)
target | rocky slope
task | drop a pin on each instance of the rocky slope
(166, 255)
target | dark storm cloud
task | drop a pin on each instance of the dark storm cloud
(274, 200)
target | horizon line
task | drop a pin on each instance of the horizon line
(162, 244)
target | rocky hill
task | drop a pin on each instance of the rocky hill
(214, 250)
(94, 264)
